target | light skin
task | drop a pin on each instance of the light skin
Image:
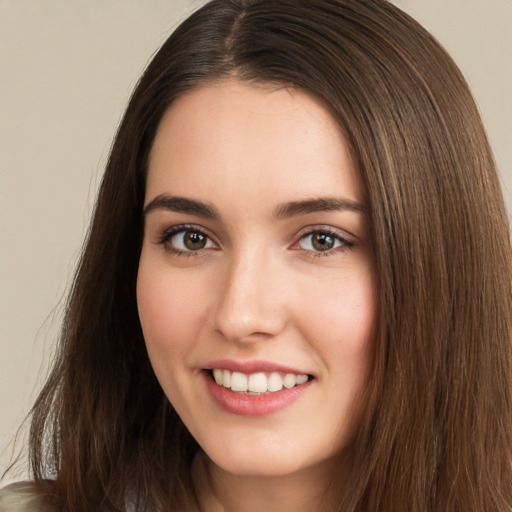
(256, 251)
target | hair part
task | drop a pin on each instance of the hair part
(436, 429)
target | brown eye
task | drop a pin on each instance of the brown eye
(194, 241)
(322, 242)
(187, 241)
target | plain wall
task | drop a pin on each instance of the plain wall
(67, 68)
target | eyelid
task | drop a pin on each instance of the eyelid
(327, 228)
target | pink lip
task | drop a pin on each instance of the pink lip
(252, 405)
(252, 366)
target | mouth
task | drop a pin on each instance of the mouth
(259, 383)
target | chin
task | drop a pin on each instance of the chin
(266, 461)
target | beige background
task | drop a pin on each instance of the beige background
(67, 68)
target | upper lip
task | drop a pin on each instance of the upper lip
(252, 366)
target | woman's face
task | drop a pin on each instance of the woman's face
(256, 290)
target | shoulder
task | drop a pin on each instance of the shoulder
(21, 497)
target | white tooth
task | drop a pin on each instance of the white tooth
(226, 378)
(275, 382)
(238, 381)
(217, 375)
(257, 383)
(289, 380)
(302, 379)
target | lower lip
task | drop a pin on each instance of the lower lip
(253, 405)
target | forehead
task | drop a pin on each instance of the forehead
(252, 142)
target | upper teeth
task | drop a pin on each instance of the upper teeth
(257, 382)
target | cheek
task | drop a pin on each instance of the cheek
(343, 312)
(170, 310)
(341, 322)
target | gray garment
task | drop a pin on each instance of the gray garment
(21, 497)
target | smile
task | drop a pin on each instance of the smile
(257, 383)
(253, 393)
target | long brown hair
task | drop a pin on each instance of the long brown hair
(436, 433)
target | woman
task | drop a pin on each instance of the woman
(295, 293)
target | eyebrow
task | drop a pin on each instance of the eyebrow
(324, 204)
(282, 211)
(181, 205)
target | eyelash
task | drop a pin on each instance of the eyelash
(344, 244)
(167, 235)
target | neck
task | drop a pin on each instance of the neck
(220, 491)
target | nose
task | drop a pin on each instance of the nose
(251, 303)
